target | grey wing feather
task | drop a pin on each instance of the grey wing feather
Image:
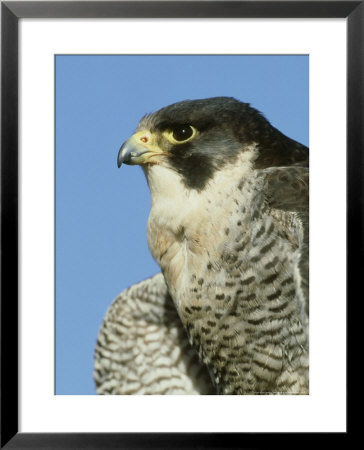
(142, 347)
(287, 189)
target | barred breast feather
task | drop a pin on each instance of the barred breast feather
(229, 229)
(142, 347)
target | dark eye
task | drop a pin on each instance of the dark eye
(182, 133)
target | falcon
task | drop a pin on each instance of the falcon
(228, 226)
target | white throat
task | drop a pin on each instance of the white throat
(184, 222)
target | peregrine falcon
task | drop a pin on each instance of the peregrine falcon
(228, 227)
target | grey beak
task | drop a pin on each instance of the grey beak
(124, 154)
(130, 151)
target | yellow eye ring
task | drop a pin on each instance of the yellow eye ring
(180, 134)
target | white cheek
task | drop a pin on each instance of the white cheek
(172, 200)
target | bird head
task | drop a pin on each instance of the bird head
(196, 138)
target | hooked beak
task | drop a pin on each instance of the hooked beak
(139, 149)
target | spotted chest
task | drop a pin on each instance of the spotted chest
(243, 315)
(234, 283)
(187, 228)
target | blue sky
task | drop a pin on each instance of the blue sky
(102, 211)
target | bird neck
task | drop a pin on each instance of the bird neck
(187, 227)
(229, 270)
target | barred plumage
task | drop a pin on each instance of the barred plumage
(229, 229)
(142, 347)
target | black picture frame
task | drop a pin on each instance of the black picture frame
(11, 12)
